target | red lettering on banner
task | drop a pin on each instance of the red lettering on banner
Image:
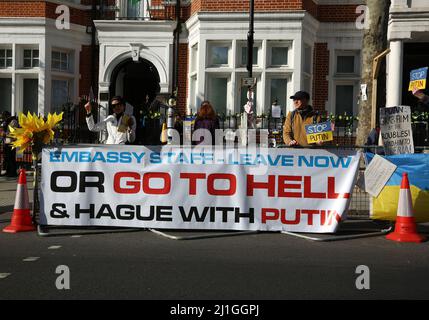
(307, 190)
(302, 188)
(273, 214)
(276, 214)
(133, 184)
(270, 185)
(310, 214)
(156, 175)
(331, 190)
(283, 186)
(269, 214)
(192, 180)
(285, 221)
(221, 176)
(331, 214)
(284, 189)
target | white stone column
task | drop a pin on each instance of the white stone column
(297, 54)
(120, 5)
(394, 76)
(13, 108)
(201, 72)
(103, 87)
(146, 7)
(44, 77)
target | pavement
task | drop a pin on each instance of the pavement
(143, 265)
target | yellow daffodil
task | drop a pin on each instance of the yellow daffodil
(34, 131)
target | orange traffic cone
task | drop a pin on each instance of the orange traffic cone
(405, 228)
(21, 218)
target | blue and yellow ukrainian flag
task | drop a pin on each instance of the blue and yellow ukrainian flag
(385, 206)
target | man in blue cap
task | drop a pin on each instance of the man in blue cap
(294, 127)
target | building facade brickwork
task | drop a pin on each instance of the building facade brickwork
(321, 71)
(299, 44)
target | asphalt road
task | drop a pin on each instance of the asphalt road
(144, 265)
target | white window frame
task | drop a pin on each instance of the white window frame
(32, 58)
(193, 63)
(212, 44)
(70, 82)
(235, 71)
(20, 91)
(347, 53)
(243, 44)
(305, 74)
(69, 54)
(9, 77)
(5, 49)
(208, 93)
(278, 44)
(193, 92)
(270, 99)
(307, 46)
(143, 10)
(355, 85)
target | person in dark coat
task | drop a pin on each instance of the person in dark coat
(423, 102)
(420, 132)
(9, 152)
(206, 119)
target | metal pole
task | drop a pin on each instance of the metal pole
(176, 47)
(170, 119)
(93, 42)
(250, 41)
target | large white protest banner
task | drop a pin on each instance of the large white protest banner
(300, 190)
(396, 131)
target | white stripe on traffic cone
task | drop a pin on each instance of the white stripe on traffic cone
(405, 227)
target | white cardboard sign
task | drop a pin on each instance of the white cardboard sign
(376, 175)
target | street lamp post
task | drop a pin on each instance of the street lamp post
(250, 42)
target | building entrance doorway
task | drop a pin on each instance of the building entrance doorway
(415, 56)
(138, 84)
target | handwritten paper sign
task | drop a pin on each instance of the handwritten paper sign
(376, 175)
(395, 124)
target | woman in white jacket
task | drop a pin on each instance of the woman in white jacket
(121, 127)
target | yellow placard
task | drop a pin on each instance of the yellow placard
(320, 137)
(417, 85)
(123, 126)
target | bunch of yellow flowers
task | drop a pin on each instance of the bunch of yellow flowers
(34, 131)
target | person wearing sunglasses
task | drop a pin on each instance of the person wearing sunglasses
(121, 127)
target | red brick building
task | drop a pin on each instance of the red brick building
(299, 44)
